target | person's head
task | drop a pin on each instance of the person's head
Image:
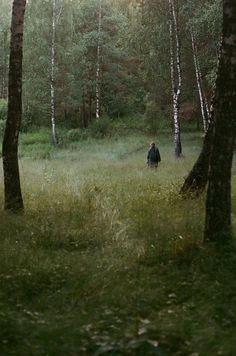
(152, 144)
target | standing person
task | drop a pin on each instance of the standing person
(153, 157)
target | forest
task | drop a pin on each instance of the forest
(118, 177)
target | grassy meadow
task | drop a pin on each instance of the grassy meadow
(108, 258)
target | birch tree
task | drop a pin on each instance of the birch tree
(176, 75)
(98, 70)
(13, 195)
(218, 202)
(53, 118)
(202, 96)
(197, 178)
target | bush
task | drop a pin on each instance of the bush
(27, 121)
(101, 128)
(76, 135)
(154, 117)
(38, 137)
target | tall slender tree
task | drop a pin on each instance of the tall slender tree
(53, 118)
(218, 202)
(202, 97)
(176, 74)
(13, 196)
(98, 69)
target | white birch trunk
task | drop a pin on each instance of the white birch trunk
(176, 76)
(53, 119)
(98, 70)
(199, 81)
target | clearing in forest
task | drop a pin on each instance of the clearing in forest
(107, 258)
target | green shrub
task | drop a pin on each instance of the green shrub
(101, 128)
(76, 135)
(31, 138)
(27, 121)
(156, 119)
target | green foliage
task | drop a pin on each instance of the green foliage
(156, 118)
(134, 58)
(27, 121)
(3, 109)
(101, 128)
(36, 137)
(77, 135)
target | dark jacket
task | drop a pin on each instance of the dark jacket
(153, 155)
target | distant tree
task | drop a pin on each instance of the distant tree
(4, 45)
(52, 84)
(202, 96)
(197, 178)
(176, 75)
(218, 202)
(13, 196)
(98, 69)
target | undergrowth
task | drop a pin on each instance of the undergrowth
(108, 259)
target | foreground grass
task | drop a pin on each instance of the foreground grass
(108, 259)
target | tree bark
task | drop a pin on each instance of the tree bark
(218, 202)
(196, 180)
(12, 187)
(175, 72)
(90, 108)
(85, 114)
(98, 70)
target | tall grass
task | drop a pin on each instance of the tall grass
(108, 259)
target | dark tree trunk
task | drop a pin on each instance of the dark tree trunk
(218, 202)
(13, 196)
(90, 108)
(197, 179)
(85, 115)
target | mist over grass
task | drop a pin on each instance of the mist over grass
(108, 258)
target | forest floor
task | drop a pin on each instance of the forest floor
(108, 258)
